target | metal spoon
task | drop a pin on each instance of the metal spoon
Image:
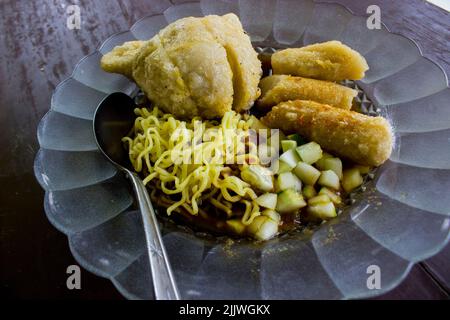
(113, 119)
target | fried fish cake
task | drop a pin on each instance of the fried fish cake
(242, 58)
(279, 88)
(360, 138)
(193, 67)
(121, 58)
(332, 61)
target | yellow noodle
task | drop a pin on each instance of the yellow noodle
(161, 146)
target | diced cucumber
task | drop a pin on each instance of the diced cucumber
(288, 180)
(291, 158)
(363, 169)
(258, 176)
(267, 200)
(351, 179)
(253, 227)
(322, 211)
(334, 164)
(275, 216)
(263, 228)
(307, 173)
(309, 192)
(289, 201)
(267, 230)
(331, 194)
(329, 179)
(310, 152)
(288, 145)
(323, 198)
(297, 138)
(236, 226)
(281, 166)
(319, 163)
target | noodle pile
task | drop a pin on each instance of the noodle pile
(187, 161)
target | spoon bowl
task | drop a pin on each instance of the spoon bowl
(113, 120)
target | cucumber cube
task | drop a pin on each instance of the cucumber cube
(289, 201)
(310, 152)
(263, 228)
(351, 179)
(307, 173)
(322, 211)
(309, 192)
(267, 200)
(267, 230)
(258, 177)
(275, 216)
(336, 199)
(291, 158)
(288, 145)
(334, 164)
(253, 227)
(288, 180)
(319, 163)
(329, 179)
(323, 198)
(281, 166)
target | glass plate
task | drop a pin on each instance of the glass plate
(402, 217)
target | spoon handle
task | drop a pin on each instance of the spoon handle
(163, 280)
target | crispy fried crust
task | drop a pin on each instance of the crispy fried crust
(193, 67)
(279, 88)
(332, 61)
(242, 58)
(121, 58)
(203, 66)
(360, 138)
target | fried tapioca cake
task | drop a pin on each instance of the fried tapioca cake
(332, 61)
(193, 67)
(242, 57)
(121, 58)
(355, 136)
(279, 88)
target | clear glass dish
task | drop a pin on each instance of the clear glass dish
(402, 217)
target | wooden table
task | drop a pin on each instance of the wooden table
(37, 51)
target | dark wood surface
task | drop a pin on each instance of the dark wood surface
(37, 51)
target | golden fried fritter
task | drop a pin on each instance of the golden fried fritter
(332, 61)
(242, 58)
(279, 88)
(121, 58)
(360, 138)
(188, 68)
